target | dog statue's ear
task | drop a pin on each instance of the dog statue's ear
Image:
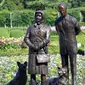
(58, 68)
(18, 63)
(25, 63)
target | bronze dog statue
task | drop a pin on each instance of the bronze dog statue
(21, 76)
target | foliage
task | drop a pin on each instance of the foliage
(22, 18)
(75, 3)
(37, 4)
(82, 23)
(42, 4)
(12, 5)
(82, 9)
(26, 17)
(51, 16)
(82, 4)
(18, 18)
(4, 18)
(1, 3)
(75, 12)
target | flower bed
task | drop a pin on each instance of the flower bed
(6, 43)
(8, 67)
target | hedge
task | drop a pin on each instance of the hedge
(14, 32)
(26, 17)
(22, 18)
(19, 18)
(75, 12)
(51, 16)
(4, 33)
(82, 23)
(82, 9)
(17, 33)
(4, 18)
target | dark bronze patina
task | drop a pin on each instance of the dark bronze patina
(37, 38)
(67, 28)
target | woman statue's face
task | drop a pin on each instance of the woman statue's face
(38, 18)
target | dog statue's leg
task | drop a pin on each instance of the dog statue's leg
(73, 69)
(32, 82)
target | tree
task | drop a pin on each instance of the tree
(12, 4)
(75, 3)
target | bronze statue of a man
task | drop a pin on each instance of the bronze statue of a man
(37, 38)
(67, 28)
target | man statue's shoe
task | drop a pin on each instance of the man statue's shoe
(32, 82)
(44, 83)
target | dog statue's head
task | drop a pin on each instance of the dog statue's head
(23, 66)
(63, 78)
(62, 71)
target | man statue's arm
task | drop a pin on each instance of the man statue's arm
(77, 28)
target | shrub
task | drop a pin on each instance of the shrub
(51, 16)
(19, 18)
(22, 18)
(82, 9)
(82, 23)
(26, 17)
(4, 32)
(53, 33)
(16, 33)
(4, 18)
(83, 4)
(75, 12)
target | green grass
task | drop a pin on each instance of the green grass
(81, 39)
(10, 52)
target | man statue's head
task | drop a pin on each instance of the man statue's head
(62, 8)
(39, 17)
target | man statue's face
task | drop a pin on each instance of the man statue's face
(62, 10)
(38, 18)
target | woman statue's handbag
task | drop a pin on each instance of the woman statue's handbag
(43, 58)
